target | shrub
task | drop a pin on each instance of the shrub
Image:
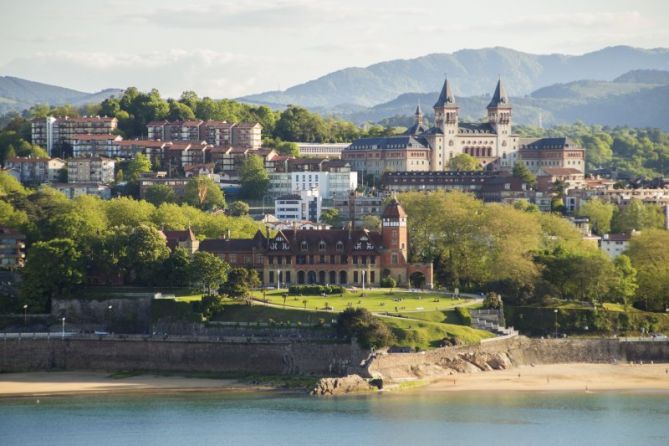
(370, 331)
(464, 316)
(315, 289)
(388, 282)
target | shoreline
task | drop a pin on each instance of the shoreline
(49, 384)
(565, 377)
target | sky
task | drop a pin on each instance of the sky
(229, 48)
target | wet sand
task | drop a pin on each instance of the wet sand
(61, 383)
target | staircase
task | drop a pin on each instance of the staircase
(492, 321)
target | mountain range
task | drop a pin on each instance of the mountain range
(17, 94)
(472, 71)
(638, 98)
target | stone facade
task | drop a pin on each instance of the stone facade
(492, 143)
(349, 257)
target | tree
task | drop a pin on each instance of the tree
(636, 216)
(254, 177)
(159, 194)
(137, 166)
(239, 208)
(179, 111)
(177, 268)
(208, 271)
(299, 124)
(521, 171)
(599, 213)
(240, 282)
(203, 193)
(464, 162)
(147, 250)
(331, 217)
(53, 269)
(370, 331)
(625, 285)
(288, 148)
(649, 253)
(371, 222)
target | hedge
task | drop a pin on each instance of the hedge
(464, 316)
(315, 289)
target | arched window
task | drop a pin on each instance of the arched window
(340, 246)
(321, 246)
(304, 246)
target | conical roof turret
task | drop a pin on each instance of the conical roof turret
(499, 98)
(446, 98)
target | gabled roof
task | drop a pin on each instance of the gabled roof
(500, 99)
(180, 236)
(446, 98)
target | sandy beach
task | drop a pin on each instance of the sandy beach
(561, 377)
(60, 383)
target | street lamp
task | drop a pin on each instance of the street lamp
(63, 332)
(109, 307)
(25, 315)
(556, 312)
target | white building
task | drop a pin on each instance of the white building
(325, 150)
(303, 206)
(35, 170)
(331, 184)
(616, 244)
(77, 189)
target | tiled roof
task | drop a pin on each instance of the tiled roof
(547, 143)
(446, 98)
(389, 143)
(560, 171)
(90, 137)
(394, 210)
(472, 128)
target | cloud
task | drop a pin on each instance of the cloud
(213, 73)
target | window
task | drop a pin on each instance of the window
(321, 246)
(340, 246)
(304, 245)
(394, 259)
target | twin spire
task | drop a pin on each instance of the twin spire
(447, 100)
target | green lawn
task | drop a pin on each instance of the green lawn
(236, 312)
(376, 301)
(425, 335)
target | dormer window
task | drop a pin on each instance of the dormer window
(304, 246)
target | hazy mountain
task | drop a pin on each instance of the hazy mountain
(19, 94)
(473, 72)
(594, 102)
(644, 77)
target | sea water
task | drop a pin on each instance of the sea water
(406, 419)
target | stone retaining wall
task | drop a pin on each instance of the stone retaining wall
(176, 355)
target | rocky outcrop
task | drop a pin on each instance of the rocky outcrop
(341, 386)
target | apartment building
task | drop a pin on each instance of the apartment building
(12, 248)
(90, 170)
(335, 181)
(56, 133)
(74, 190)
(31, 170)
(95, 145)
(302, 206)
(218, 133)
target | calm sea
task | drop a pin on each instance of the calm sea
(410, 419)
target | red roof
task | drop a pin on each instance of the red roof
(394, 210)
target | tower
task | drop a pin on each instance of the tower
(447, 120)
(419, 116)
(395, 238)
(499, 110)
